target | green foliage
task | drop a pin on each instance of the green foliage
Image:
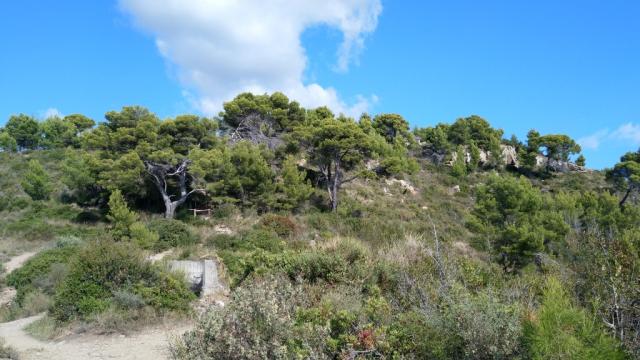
(120, 216)
(80, 122)
(485, 327)
(57, 133)
(435, 138)
(581, 160)
(281, 225)
(558, 147)
(36, 272)
(240, 172)
(459, 167)
(560, 330)
(7, 142)
(105, 268)
(189, 131)
(292, 185)
(37, 183)
(274, 108)
(335, 147)
(258, 323)
(143, 236)
(626, 174)
(514, 217)
(475, 128)
(393, 127)
(172, 233)
(25, 130)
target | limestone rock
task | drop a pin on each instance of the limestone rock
(405, 185)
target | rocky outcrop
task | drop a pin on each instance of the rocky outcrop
(509, 157)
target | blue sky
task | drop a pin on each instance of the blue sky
(558, 66)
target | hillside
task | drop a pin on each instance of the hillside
(335, 238)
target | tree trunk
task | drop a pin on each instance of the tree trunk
(159, 174)
(335, 187)
(170, 210)
(624, 199)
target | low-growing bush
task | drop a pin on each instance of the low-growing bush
(43, 271)
(258, 323)
(562, 331)
(281, 225)
(172, 233)
(7, 352)
(251, 240)
(103, 270)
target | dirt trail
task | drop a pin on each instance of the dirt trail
(17, 261)
(151, 343)
(8, 293)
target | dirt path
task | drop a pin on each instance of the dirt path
(151, 343)
(18, 261)
(8, 293)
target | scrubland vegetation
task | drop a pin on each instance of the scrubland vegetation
(342, 238)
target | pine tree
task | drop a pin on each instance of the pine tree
(37, 183)
(120, 216)
(293, 185)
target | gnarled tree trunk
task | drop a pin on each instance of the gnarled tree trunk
(160, 173)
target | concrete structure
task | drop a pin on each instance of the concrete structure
(201, 275)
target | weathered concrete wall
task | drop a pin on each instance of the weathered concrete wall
(202, 275)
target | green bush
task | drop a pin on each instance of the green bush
(37, 270)
(562, 331)
(248, 241)
(172, 233)
(258, 323)
(104, 269)
(485, 327)
(313, 266)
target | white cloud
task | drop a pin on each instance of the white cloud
(592, 142)
(629, 132)
(51, 112)
(224, 47)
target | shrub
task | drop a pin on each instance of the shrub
(225, 210)
(172, 233)
(313, 266)
(7, 352)
(258, 323)
(562, 331)
(251, 240)
(281, 225)
(87, 217)
(142, 236)
(37, 271)
(104, 269)
(37, 183)
(485, 327)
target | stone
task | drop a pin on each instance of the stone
(202, 276)
(222, 229)
(405, 185)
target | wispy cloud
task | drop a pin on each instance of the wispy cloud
(593, 141)
(50, 112)
(221, 48)
(629, 133)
